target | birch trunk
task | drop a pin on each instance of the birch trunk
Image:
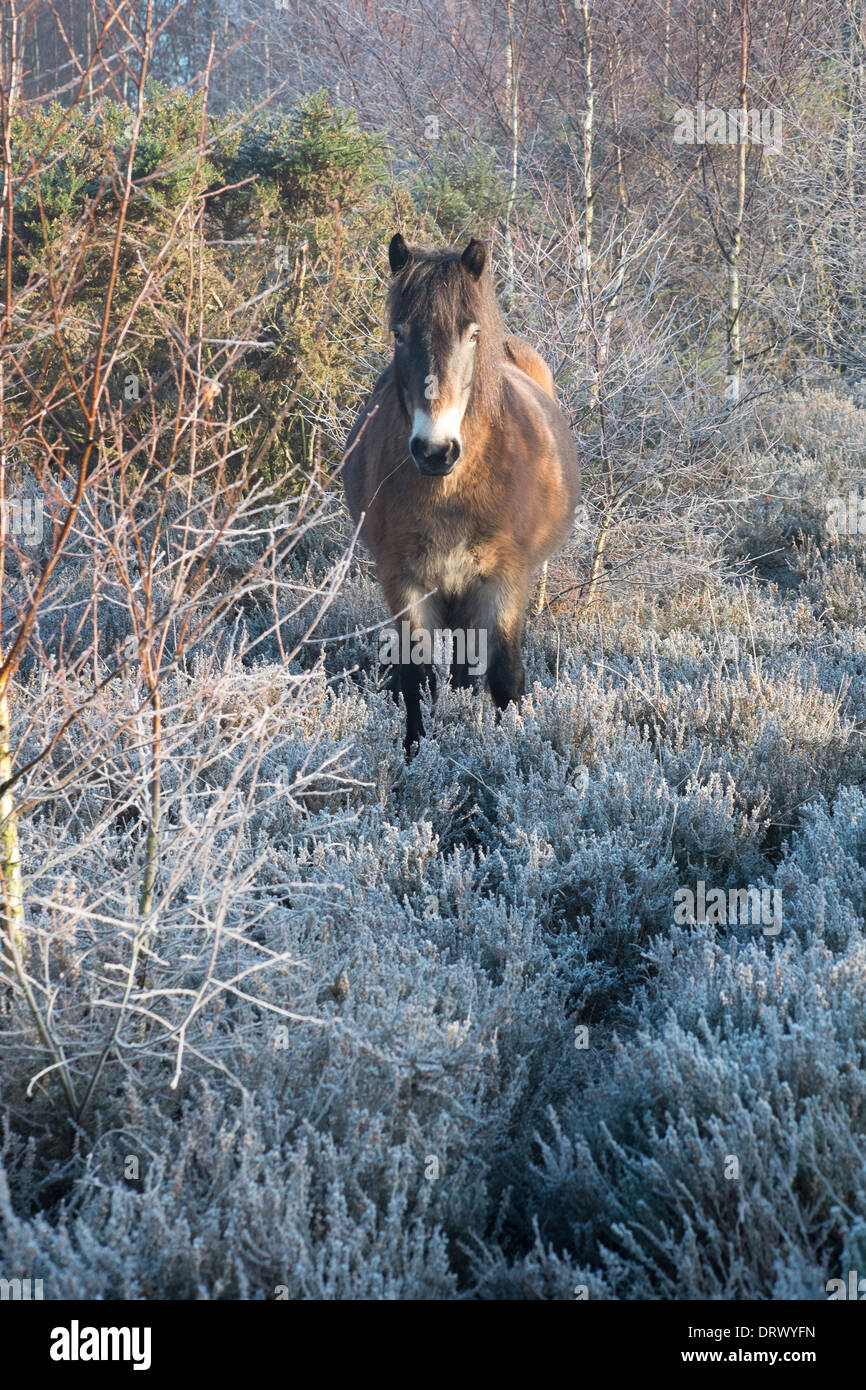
(587, 135)
(10, 855)
(735, 358)
(512, 97)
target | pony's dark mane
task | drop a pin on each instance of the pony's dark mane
(436, 290)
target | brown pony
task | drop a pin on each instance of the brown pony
(462, 469)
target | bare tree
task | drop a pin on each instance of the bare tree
(162, 535)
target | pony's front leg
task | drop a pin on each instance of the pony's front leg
(506, 674)
(413, 677)
(470, 648)
(413, 668)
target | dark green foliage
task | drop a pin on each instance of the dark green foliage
(314, 157)
(272, 223)
(462, 187)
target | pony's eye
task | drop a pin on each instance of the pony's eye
(398, 336)
(473, 336)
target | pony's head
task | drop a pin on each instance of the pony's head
(448, 347)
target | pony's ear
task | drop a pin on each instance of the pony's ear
(474, 258)
(399, 254)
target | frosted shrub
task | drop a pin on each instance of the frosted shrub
(431, 1030)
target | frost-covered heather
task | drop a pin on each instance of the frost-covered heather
(430, 1031)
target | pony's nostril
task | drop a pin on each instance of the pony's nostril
(434, 458)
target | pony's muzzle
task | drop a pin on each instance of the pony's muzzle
(434, 460)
